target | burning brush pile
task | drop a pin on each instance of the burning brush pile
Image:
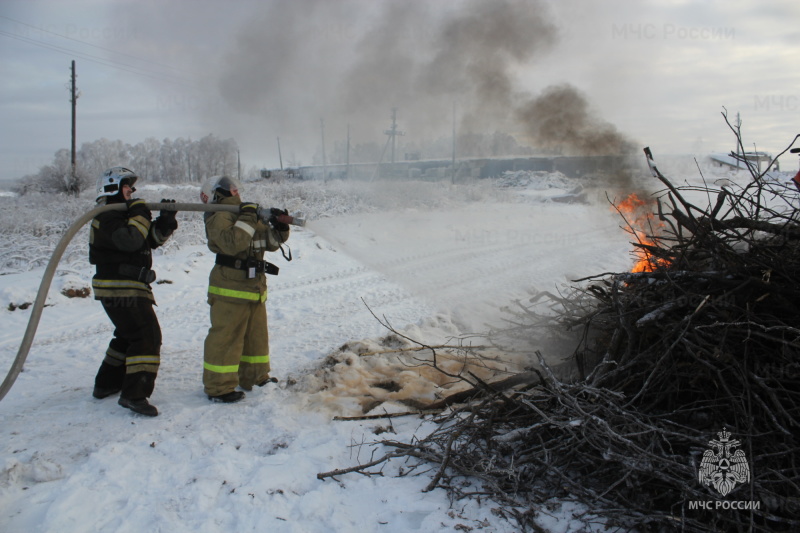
(686, 412)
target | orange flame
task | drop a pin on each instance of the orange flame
(640, 217)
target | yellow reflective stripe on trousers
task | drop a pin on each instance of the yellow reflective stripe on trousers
(221, 369)
(242, 295)
(119, 284)
(255, 359)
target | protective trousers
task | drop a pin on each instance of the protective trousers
(236, 350)
(133, 355)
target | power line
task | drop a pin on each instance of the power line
(92, 45)
(133, 69)
(94, 59)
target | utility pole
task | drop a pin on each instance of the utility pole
(347, 155)
(280, 157)
(238, 166)
(324, 161)
(453, 175)
(73, 177)
(393, 133)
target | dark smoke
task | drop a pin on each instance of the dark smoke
(560, 120)
(283, 63)
(422, 59)
(292, 63)
(476, 50)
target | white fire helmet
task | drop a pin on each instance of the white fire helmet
(110, 182)
(219, 186)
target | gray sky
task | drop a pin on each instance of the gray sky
(655, 73)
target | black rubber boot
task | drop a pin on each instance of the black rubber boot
(228, 397)
(108, 380)
(142, 406)
(138, 385)
(102, 392)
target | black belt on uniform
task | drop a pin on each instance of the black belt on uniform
(143, 274)
(251, 265)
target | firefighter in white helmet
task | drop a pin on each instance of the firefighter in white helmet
(120, 244)
(236, 350)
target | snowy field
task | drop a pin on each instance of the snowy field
(437, 261)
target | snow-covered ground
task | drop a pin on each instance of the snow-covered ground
(437, 261)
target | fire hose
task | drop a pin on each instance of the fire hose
(49, 272)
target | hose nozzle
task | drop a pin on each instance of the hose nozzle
(291, 219)
(266, 213)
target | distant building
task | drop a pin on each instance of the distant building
(759, 160)
(471, 168)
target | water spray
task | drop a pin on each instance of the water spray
(49, 272)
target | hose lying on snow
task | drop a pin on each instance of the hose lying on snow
(44, 287)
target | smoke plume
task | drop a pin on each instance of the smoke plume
(560, 119)
(286, 66)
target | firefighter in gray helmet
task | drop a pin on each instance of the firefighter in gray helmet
(120, 244)
(236, 349)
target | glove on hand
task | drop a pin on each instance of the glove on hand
(273, 219)
(248, 208)
(166, 223)
(138, 208)
(167, 214)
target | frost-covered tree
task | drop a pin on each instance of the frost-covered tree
(94, 157)
(146, 159)
(156, 161)
(173, 161)
(57, 177)
(211, 157)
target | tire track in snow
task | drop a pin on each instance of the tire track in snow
(463, 273)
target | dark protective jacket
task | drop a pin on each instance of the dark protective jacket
(239, 236)
(120, 244)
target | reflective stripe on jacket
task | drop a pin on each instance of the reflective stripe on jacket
(116, 238)
(239, 236)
